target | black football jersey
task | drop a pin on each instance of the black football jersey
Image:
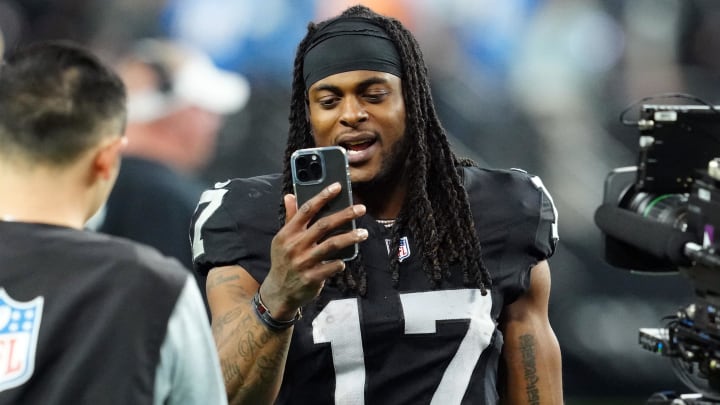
(82, 316)
(405, 345)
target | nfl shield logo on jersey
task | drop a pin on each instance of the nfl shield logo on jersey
(403, 250)
(19, 328)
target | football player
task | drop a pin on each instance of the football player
(447, 301)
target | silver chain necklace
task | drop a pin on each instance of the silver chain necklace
(387, 223)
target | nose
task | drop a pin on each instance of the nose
(353, 113)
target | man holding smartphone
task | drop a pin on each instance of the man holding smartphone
(446, 301)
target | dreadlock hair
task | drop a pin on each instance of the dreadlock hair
(436, 209)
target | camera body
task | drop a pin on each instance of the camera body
(676, 182)
(670, 180)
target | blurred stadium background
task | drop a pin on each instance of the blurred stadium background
(535, 84)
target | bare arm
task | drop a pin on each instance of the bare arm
(531, 352)
(252, 356)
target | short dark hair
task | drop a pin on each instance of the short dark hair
(436, 209)
(57, 99)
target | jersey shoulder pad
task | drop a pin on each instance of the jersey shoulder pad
(512, 198)
(235, 220)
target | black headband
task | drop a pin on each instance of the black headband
(349, 43)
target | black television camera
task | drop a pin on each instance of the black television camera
(663, 216)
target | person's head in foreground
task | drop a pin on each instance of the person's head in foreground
(62, 118)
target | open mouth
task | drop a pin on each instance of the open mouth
(357, 146)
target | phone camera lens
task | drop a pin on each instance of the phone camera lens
(302, 162)
(316, 170)
(303, 175)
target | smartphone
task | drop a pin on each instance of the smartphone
(313, 169)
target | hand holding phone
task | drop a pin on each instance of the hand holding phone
(313, 169)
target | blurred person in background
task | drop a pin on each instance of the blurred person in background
(177, 100)
(84, 317)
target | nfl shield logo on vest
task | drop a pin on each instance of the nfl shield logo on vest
(19, 329)
(403, 250)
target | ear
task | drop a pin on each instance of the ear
(107, 157)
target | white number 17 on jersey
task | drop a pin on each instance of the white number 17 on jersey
(339, 325)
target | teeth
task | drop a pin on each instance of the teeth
(355, 143)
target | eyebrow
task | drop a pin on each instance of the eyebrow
(359, 87)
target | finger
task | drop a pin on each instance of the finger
(328, 224)
(339, 242)
(327, 269)
(307, 211)
(290, 206)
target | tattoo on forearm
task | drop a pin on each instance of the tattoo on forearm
(231, 371)
(527, 348)
(252, 342)
(269, 366)
(220, 279)
(240, 328)
(248, 346)
(219, 326)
